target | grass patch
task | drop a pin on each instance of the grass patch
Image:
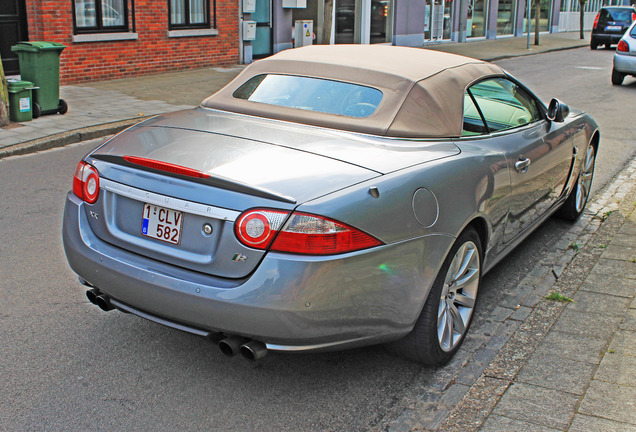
(559, 297)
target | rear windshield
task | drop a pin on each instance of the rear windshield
(619, 15)
(311, 94)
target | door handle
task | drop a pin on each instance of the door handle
(522, 165)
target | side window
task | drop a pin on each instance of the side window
(189, 14)
(473, 123)
(504, 104)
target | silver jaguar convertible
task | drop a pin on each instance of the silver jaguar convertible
(328, 197)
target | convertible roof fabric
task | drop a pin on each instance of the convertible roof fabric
(423, 90)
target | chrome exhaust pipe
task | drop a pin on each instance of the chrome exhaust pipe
(231, 346)
(253, 350)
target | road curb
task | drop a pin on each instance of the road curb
(68, 137)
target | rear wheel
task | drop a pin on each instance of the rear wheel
(593, 44)
(617, 77)
(575, 204)
(448, 311)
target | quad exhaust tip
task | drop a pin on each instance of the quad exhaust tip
(251, 350)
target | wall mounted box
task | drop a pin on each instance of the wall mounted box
(249, 6)
(296, 4)
(249, 30)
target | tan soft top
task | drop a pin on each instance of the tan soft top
(423, 90)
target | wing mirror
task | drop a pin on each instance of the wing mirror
(557, 111)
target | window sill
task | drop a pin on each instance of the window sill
(192, 33)
(104, 37)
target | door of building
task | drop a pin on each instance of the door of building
(13, 29)
(262, 46)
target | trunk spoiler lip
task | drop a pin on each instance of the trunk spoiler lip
(216, 181)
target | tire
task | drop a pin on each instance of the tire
(573, 207)
(617, 77)
(37, 111)
(435, 338)
(62, 107)
(593, 44)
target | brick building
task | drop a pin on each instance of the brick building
(108, 39)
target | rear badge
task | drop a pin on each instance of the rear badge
(239, 257)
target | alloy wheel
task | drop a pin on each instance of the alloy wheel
(585, 179)
(458, 296)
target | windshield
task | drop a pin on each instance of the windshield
(312, 94)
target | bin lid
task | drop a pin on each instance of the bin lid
(37, 46)
(16, 86)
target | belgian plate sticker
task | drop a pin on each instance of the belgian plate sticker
(162, 224)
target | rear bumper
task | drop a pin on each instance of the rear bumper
(604, 38)
(625, 63)
(288, 302)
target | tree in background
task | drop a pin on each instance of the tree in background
(4, 99)
(537, 20)
(582, 17)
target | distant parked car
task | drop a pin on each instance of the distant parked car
(625, 57)
(610, 24)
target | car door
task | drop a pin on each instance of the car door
(538, 156)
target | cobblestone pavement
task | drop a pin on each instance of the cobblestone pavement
(553, 365)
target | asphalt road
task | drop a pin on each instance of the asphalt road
(66, 365)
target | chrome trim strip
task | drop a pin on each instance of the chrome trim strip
(169, 202)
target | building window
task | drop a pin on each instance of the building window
(189, 14)
(96, 16)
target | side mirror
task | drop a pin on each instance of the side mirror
(557, 111)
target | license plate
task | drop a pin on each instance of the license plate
(613, 28)
(161, 223)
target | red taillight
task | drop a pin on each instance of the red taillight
(86, 182)
(315, 235)
(257, 228)
(596, 20)
(633, 16)
(303, 233)
(165, 166)
(622, 46)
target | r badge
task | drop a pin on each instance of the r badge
(239, 257)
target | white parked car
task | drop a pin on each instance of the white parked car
(625, 57)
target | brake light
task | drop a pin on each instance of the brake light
(622, 46)
(303, 233)
(167, 167)
(86, 182)
(633, 16)
(596, 20)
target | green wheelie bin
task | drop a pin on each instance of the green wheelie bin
(20, 101)
(40, 64)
